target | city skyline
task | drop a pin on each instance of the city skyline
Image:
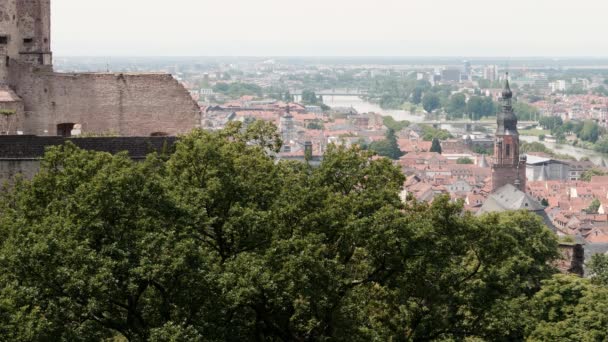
(336, 28)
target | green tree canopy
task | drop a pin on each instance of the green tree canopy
(393, 124)
(481, 106)
(465, 161)
(587, 175)
(309, 97)
(594, 206)
(457, 105)
(430, 102)
(598, 269)
(436, 146)
(389, 147)
(429, 133)
(525, 111)
(569, 308)
(220, 242)
(236, 90)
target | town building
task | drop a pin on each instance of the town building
(450, 75)
(542, 169)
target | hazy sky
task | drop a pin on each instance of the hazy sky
(330, 27)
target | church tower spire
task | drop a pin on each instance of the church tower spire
(508, 167)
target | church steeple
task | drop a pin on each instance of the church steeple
(507, 167)
(507, 120)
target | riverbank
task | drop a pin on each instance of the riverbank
(363, 106)
(577, 152)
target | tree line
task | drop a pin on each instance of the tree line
(393, 93)
(217, 241)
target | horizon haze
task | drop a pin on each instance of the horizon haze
(476, 28)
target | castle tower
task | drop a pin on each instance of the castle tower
(34, 28)
(25, 34)
(508, 166)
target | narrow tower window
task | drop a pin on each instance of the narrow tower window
(508, 150)
(3, 40)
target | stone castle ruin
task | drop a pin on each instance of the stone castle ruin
(35, 100)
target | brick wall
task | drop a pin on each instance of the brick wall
(123, 104)
(507, 174)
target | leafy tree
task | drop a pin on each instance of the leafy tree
(430, 102)
(598, 269)
(481, 106)
(593, 207)
(220, 242)
(568, 308)
(525, 111)
(393, 124)
(417, 96)
(429, 133)
(602, 145)
(482, 150)
(436, 146)
(590, 131)
(317, 124)
(309, 97)
(464, 161)
(236, 90)
(388, 147)
(587, 175)
(457, 105)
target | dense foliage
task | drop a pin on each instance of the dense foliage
(236, 90)
(587, 175)
(429, 133)
(393, 124)
(220, 242)
(388, 147)
(436, 146)
(465, 161)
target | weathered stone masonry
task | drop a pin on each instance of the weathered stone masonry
(21, 155)
(53, 103)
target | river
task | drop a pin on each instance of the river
(576, 152)
(363, 106)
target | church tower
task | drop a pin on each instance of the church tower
(508, 166)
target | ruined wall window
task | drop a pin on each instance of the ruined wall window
(28, 40)
(3, 40)
(8, 60)
(65, 129)
(159, 134)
